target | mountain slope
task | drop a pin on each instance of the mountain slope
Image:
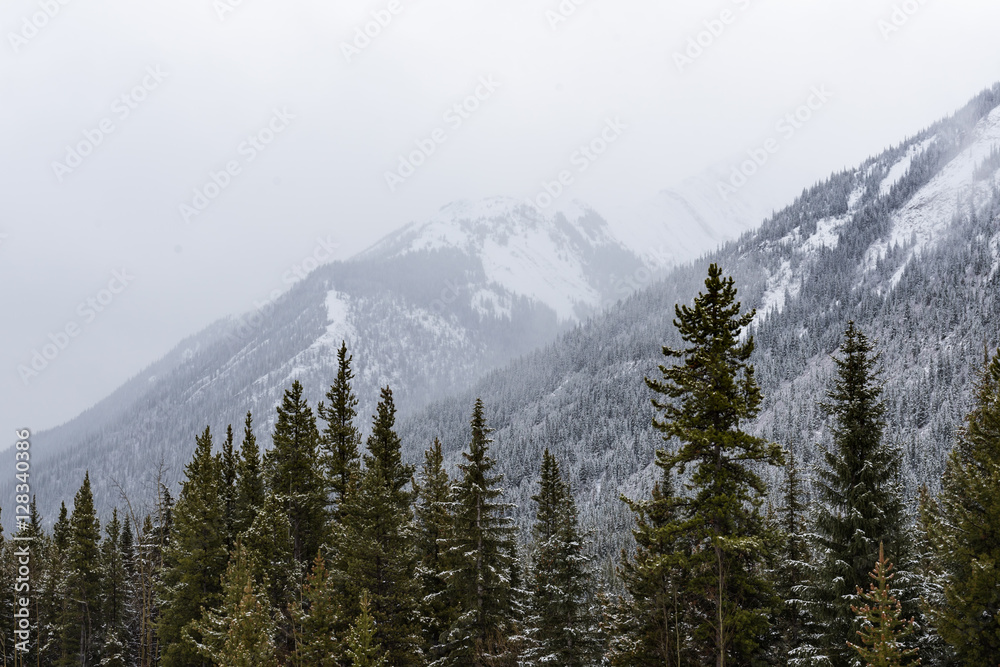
(428, 310)
(907, 245)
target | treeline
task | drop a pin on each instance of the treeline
(329, 550)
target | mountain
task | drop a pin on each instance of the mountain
(907, 245)
(427, 310)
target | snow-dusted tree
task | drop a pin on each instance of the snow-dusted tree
(315, 617)
(561, 624)
(883, 627)
(363, 649)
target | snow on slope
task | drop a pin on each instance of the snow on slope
(899, 169)
(929, 212)
(523, 250)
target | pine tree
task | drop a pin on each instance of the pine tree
(115, 589)
(229, 488)
(860, 500)
(340, 439)
(250, 491)
(292, 474)
(378, 553)
(882, 626)
(480, 557)
(434, 531)
(195, 556)
(964, 530)
(793, 563)
(362, 646)
(240, 631)
(707, 400)
(81, 631)
(653, 624)
(8, 573)
(54, 609)
(315, 619)
(276, 574)
(561, 623)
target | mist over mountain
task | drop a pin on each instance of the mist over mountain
(496, 299)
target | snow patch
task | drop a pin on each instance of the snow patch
(338, 327)
(827, 234)
(898, 170)
(779, 285)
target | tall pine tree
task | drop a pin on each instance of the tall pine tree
(249, 497)
(81, 632)
(858, 489)
(293, 476)
(707, 400)
(195, 556)
(340, 439)
(964, 530)
(480, 554)
(561, 623)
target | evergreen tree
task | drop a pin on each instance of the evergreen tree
(377, 554)
(434, 531)
(480, 557)
(653, 625)
(292, 475)
(276, 574)
(315, 618)
(561, 623)
(362, 646)
(250, 491)
(964, 530)
(8, 573)
(240, 632)
(54, 609)
(860, 500)
(882, 628)
(195, 556)
(340, 439)
(81, 630)
(707, 400)
(229, 488)
(793, 564)
(115, 589)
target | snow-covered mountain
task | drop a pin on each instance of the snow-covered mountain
(428, 310)
(907, 245)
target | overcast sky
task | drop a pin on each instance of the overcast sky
(114, 113)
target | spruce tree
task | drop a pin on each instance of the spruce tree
(793, 563)
(315, 616)
(250, 490)
(434, 531)
(706, 401)
(377, 553)
(292, 474)
(341, 439)
(195, 556)
(229, 488)
(115, 588)
(561, 625)
(480, 557)
(652, 625)
(363, 649)
(858, 488)
(277, 575)
(240, 631)
(81, 630)
(964, 530)
(882, 626)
